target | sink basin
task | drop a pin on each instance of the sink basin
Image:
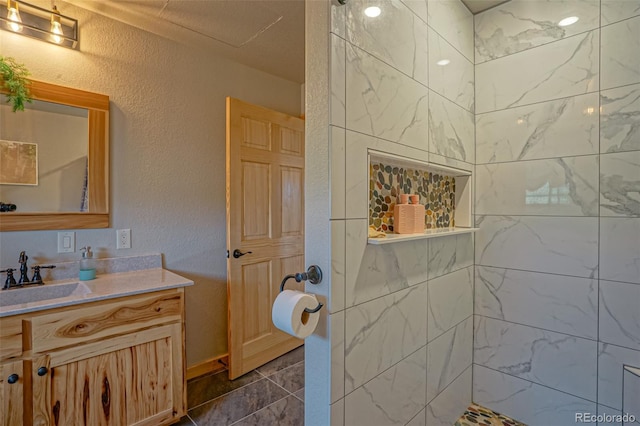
(39, 293)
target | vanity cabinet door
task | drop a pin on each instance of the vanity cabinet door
(12, 382)
(125, 380)
(39, 390)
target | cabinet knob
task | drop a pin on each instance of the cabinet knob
(42, 371)
(13, 379)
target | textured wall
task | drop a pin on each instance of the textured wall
(557, 289)
(399, 327)
(167, 154)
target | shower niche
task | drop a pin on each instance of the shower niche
(444, 191)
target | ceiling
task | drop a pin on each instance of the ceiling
(264, 34)
(477, 6)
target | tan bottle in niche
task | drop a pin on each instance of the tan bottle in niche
(403, 221)
(417, 211)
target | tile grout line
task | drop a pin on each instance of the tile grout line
(597, 28)
(262, 377)
(408, 287)
(383, 371)
(554, 273)
(451, 328)
(227, 393)
(540, 384)
(555, 99)
(372, 55)
(527, 160)
(474, 207)
(540, 328)
(452, 381)
(599, 204)
(263, 408)
(421, 150)
(409, 355)
(190, 419)
(286, 368)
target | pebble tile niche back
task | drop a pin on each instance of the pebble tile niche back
(444, 191)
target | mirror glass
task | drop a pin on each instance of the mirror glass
(54, 160)
(44, 157)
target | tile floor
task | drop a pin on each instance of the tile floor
(274, 395)
(269, 395)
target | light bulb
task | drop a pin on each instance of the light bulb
(13, 16)
(56, 27)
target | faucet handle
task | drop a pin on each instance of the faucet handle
(10, 279)
(37, 278)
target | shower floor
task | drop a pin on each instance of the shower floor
(477, 415)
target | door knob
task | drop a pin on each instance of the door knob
(42, 371)
(237, 253)
(13, 379)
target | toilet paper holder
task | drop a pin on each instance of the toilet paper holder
(313, 275)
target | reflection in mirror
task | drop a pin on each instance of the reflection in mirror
(54, 160)
(43, 167)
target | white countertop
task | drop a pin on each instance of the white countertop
(107, 286)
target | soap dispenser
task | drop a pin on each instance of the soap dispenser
(87, 264)
(403, 216)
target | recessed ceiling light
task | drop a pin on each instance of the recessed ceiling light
(568, 21)
(443, 62)
(372, 11)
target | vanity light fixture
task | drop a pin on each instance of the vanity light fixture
(568, 21)
(13, 17)
(443, 62)
(35, 22)
(372, 11)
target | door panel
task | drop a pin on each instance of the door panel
(291, 141)
(256, 180)
(11, 401)
(265, 216)
(94, 391)
(89, 392)
(257, 287)
(292, 205)
(256, 133)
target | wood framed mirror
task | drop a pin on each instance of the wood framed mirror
(89, 209)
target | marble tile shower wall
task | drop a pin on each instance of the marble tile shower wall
(401, 324)
(557, 275)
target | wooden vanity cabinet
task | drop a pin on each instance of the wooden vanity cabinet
(12, 393)
(116, 362)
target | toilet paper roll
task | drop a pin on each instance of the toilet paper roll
(289, 316)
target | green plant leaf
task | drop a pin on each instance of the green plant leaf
(14, 77)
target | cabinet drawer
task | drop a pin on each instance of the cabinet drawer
(11, 338)
(103, 319)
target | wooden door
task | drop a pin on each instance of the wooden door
(265, 220)
(12, 382)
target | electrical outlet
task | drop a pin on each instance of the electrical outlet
(123, 238)
(66, 242)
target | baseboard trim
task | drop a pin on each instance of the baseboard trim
(213, 365)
